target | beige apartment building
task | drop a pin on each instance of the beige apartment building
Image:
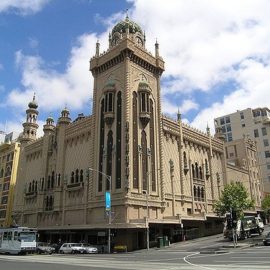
(162, 174)
(242, 166)
(9, 156)
(253, 124)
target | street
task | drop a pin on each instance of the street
(210, 253)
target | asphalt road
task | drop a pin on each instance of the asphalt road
(196, 254)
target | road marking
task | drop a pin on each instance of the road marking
(195, 265)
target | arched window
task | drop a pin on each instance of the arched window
(58, 180)
(195, 192)
(33, 185)
(72, 178)
(202, 193)
(81, 175)
(49, 182)
(199, 193)
(36, 186)
(193, 171)
(200, 173)
(52, 182)
(30, 187)
(196, 170)
(1, 173)
(77, 176)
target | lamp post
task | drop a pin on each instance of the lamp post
(146, 192)
(107, 205)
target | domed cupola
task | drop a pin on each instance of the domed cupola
(127, 28)
(49, 126)
(64, 118)
(33, 104)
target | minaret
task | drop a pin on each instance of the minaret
(30, 126)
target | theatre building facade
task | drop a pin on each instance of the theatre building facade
(163, 175)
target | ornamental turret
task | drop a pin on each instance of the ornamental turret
(30, 126)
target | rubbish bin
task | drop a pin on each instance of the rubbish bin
(160, 242)
(166, 241)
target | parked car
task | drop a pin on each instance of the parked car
(44, 248)
(71, 248)
(266, 240)
(89, 249)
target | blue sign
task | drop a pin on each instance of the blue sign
(108, 200)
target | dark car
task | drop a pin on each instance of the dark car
(266, 240)
(44, 248)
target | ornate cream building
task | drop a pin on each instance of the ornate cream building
(9, 156)
(163, 175)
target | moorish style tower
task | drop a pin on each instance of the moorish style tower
(30, 126)
(127, 117)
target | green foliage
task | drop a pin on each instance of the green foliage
(233, 197)
(266, 205)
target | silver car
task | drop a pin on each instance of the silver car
(89, 249)
(71, 248)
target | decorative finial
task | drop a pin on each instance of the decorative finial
(34, 96)
(178, 115)
(127, 14)
(157, 49)
(207, 129)
(97, 48)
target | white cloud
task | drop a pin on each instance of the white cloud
(206, 43)
(24, 7)
(53, 89)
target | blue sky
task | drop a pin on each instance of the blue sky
(216, 54)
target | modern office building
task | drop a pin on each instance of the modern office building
(253, 124)
(161, 174)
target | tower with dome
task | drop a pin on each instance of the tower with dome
(162, 174)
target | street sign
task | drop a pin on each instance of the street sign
(108, 200)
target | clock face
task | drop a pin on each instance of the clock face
(139, 41)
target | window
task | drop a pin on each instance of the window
(229, 128)
(242, 115)
(256, 133)
(265, 142)
(231, 154)
(222, 121)
(264, 131)
(269, 178)
(229, 137)
(243, 125)
(4, 200)
(268, 166)
(227, 119)
(223, 129)
(267, 154)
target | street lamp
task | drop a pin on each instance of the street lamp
(146, 192)
(107, 205)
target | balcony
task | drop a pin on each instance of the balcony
(75, 186)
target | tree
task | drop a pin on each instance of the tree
(234, 198)
(266, 205)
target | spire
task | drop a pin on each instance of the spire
(127, 18)
(97, 48)
(207, 129)
(178, 115)
(157, 49)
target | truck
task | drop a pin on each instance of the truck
(243, 227)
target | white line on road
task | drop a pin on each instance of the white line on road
(196, 265)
